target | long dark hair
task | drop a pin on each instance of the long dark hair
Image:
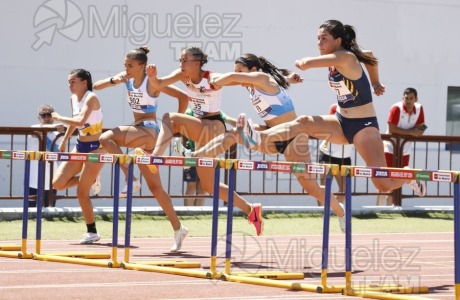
(83, 75)
(348, 35)
(250, 60)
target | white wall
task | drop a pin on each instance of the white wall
(417, 42)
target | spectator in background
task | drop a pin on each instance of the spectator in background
(405, 118)
(331, 153)
(190, 175)
(45, 119)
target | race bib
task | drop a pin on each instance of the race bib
(262, 107)
(199, 106)
(342, 92)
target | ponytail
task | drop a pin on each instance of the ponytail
(261, 63)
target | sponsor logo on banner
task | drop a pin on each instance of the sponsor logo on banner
(362, 172)
(93, 157)
(262, 166)
(19, 155)
(6, 154)
(64, 157)
(143, 160)
(107, 158)
(381, 173)
(78, 157)
(51, 156)
(157, 161)
(245, 165)
(280, 167)
(438, 176)
(422, 175)
(299, 168)
(176, 161)
(205, 162)
(402, 174)
(315, 169)
(190, 162)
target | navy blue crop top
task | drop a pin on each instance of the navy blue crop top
(350, 93)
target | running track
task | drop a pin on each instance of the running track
(410, 259)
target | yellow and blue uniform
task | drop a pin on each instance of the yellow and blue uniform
(93, 125)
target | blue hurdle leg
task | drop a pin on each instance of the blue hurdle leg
(38, 234)
(215, 220)
(228, 246)
(326, 221)
(116, 203)
(129, 206)
(457, 237)
(25, 205)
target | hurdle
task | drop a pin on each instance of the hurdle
(384, 292)
(85, 258)
(9, 250)
(270, 278)
(183, 268)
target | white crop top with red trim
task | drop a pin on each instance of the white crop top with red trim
(202, 98)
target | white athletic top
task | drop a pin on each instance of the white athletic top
(402, 119)
(270, 106)
(202, 98)
(139, 98)
(93, 124)
(34, 146)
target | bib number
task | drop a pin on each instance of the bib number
(342, 92)
(262, 108)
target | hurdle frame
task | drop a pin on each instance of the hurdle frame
(84, 258)
(9, 250)
(384, 292)
(183, 268)
(264, 278)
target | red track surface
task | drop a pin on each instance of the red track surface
(408, 259)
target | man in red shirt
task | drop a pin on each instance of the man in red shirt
(405, 118)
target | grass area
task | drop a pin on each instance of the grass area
(200, 225)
